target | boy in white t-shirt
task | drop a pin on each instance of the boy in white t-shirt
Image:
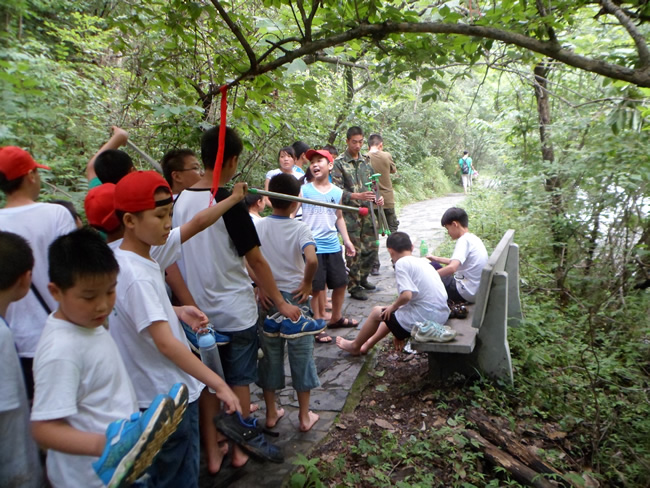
(19, 462)
(462, 273)
(422, 299)
(326, 224)
(83, 391)
(214, 265)
(144, 323)
(39, 224)
(290, 250)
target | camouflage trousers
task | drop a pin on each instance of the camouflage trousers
(362, 236)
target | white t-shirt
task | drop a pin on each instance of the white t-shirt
(283, 241)
(79, 377)
(473, 257)
(39, 224)
(322, 220)
(296, 171)
(19, 463)
(212, 262)
(429, 300)
(141, 301)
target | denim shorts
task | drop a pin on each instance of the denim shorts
(239, 357)
(177, 464)
(301, 363)
(301, 357)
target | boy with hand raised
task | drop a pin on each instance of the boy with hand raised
(144, 323)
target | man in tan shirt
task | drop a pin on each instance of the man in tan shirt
(382, 162)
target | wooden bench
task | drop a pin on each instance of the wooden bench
(481, 344)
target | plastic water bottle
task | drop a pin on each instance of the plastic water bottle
(209, 352)
(424, 248)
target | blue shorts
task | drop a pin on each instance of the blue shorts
(177, 464)
(301, 357)
(239, 357)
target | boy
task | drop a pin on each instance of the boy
(213, 267)
(326, 223)
(144, 323)
(19, 463)
(462, 273)
(109, 164)
(289, 248)
(181, 169)
(39, 224)
(466, 170)
(82, 388)
(422, 298)
(255, 205)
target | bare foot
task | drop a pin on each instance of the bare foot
(348, 346)
(312, 418)
(239, 457)
(215, 456)
(272, 420)
(254, 407)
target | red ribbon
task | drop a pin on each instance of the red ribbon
(216, 174)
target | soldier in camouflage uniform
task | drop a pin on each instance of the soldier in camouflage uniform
(350, 173)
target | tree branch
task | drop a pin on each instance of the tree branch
(238, 34)
(313, 58)
(637, 37)
(639, 77)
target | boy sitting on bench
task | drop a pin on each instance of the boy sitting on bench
(462, 273)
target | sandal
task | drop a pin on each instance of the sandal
(323, 338)
(343, 322)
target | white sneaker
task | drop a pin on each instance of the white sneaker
(433, 332)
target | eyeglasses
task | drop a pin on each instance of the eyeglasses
(198, 169)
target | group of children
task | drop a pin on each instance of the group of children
(118, 394)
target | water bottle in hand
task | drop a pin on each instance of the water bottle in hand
(209, 351)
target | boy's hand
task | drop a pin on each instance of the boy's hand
(228, 397)
(120, 135)
(385, 312)
(398, 343)
(302, 293)
(349, 248)
(239, 191)
(367, 196)
(263, 298)
(193, 317)
(290, 311)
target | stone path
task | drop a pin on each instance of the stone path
(337, 370)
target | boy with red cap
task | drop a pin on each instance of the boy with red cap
(326, 224)
(144, 323)
(39, 224)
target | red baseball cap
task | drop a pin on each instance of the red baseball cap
(320, 152)
(16, 162)
(135, 192)
(100, 207)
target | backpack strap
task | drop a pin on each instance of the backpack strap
(40, 299)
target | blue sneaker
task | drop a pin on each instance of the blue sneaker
(180, 396)
(302, 327)
(249, 435)
(132, 445)
(271, 326)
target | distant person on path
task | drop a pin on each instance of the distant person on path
(462, 273)
(382, 163)
(466, 170)
(422, 298)
(351, 172)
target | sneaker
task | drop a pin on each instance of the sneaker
(248, 435)
(302, 327)
(132, 445)
(434, 332)
(180, 396)
(407, 349)
(271, 326)
(367, 285)
(417, 326)
(358, 293)
(219, 338)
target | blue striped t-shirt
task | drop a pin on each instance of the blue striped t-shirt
(322, 220)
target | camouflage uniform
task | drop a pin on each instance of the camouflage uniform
(350, 175)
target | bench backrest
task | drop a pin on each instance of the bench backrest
(496, 263)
